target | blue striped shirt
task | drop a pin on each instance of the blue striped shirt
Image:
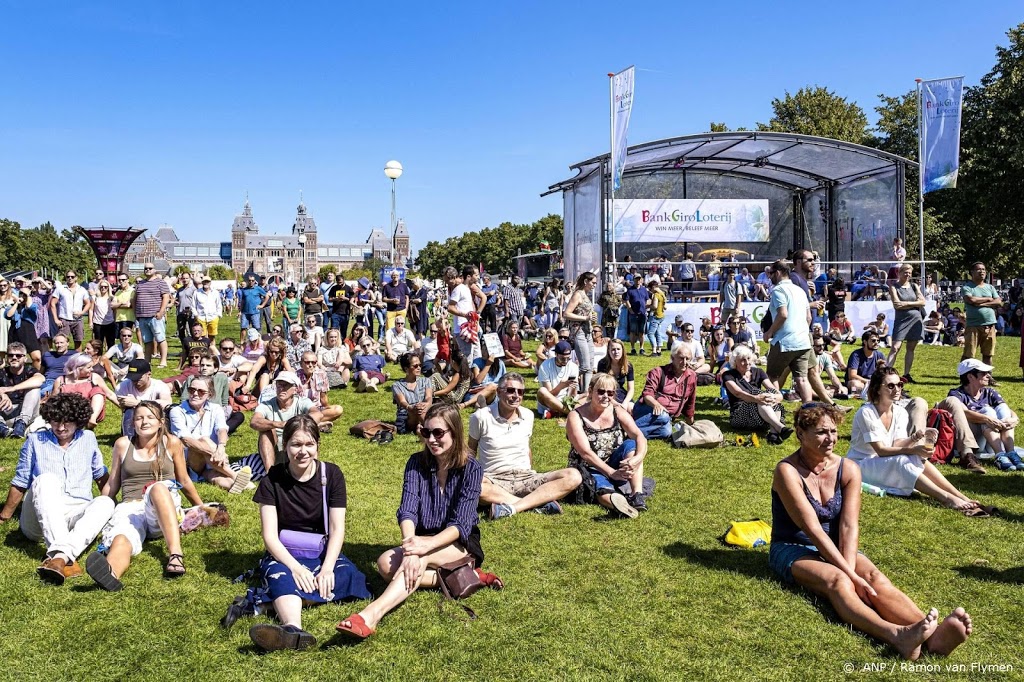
(433, 510)
(76, 467)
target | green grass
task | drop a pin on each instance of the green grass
(658, 598)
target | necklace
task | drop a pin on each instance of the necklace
(800, 458)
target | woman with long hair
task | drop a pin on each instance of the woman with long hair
(546, 347)
(254, 347)
(437, 517)
(148, 470)
(618, 366)
(908, 324)
(335, 359)
(102, 315)
(268, 366)
(579, 313)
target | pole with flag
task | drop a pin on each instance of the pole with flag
(621, 105)
(939, 106)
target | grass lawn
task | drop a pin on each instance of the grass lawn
(657, 598)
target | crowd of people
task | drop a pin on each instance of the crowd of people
(460, 347)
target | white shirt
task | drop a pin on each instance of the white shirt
(400, 343)
(868, 428)
(71, 302)
(462, 297)
(208, 306)
(504, 444)
(121, 356)
(551, 373)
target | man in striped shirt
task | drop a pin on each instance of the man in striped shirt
(515, 302)
(54, 476)
(152, 296)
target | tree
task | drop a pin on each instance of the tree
(818, 111)
(322, 273)
(180, 270)
(221, 272)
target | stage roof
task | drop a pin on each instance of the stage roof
(800, 162)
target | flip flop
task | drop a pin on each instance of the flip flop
(175, 567)
(354, 626)
(975, 513)
(98, 568)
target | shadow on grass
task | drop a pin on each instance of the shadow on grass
(991, 484)
(1011, 576)
(16, 540)
(752, 563)
(230, 564)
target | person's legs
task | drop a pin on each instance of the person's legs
(66, 526)
(651, 425)
(29, 406)
(829, 582)
(917, 410)
(551, 401)
(771, 418)
(929, 486)
(289, 610)
(557, 485)
(963, 437)
(1007, 437)
(941, 482)
(908, 359)
(894, 351)
(162, 507)
(584, 344)
(267, 447)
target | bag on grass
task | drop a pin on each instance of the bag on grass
(202, 516)
(371, 427)
(942, 421)
(748, 534)
(703, 434)
(458, 580)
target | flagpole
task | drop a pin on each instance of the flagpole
(611, 159)
(920, 178)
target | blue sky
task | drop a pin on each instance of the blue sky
(147, 113)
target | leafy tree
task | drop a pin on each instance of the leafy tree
(13, 255)
(322, 273)
(181, 269)
(818, 111)
(221, 272)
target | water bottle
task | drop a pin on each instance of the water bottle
(872, 489)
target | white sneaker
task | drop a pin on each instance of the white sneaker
(242, 479)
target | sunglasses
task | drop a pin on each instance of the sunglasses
(872, 340)
(227, 348)
(15, 356)
(609, 392)
(437, 434)
(196, 391)
(122, 279)
(892, 385)
(148, 267)
(515, 391)
(688, 330)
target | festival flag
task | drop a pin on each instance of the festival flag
(622, 106)
(940, 107)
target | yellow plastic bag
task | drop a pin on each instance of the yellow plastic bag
(748, 534)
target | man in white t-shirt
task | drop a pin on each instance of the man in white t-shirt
(231, 363)
(500, 437)
(558, 377)
(69, 306)
(120, 355)
(137, 386)
(398, 341)
(461, 305)
(270, 417)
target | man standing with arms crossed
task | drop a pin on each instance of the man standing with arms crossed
(981, 301)
(152, 296)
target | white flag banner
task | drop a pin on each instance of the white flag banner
(941, 104)
(622, 106)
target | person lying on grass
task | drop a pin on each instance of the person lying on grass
(147, 469)
(815, 533)
(499, 436)
(890, 458)
(608, 450)
(305, 496)
(437, 527)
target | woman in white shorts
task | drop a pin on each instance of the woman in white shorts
(148, 470)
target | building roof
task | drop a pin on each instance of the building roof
(166, 234)
(244, 222)
(303, 221)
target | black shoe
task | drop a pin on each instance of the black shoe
(637, 501)
(235, 611)
(277, 637)
(632, 352)
(785, 433)
(774, 439)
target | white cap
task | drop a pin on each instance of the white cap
(970, 365)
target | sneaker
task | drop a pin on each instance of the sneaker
(632, 352)
(1015, 460)
(971, 463)
(643, 352)
(19, 429)
(637, 501)
(242, 479)
(501, 511)
(5, 430)
(774, 439)
(1003, 463)
(551, 508)
(621, 506)
(276, 637)
(785, 433)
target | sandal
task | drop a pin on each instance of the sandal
(175, 567)
(490, 580)
(975, 513)
(354, 626)
(98, 568)
(326, 427)
(385, 437)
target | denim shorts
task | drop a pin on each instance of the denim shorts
(152, 329)
(604, 485)
(781, 556)
(250, 320)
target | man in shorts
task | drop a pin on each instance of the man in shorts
(789, 337)
(69, 306)
(981, 301)
(152, 296)
(500, 437)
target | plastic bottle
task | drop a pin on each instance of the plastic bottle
(872, 489)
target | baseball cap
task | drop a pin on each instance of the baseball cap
(252, 334)
(971, 364)
(289, 377)
(679, 318)
(206, 278)
(136, 368)
(563, 347)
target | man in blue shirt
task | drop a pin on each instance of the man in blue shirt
(863, 362)
(789, 337)
(252, 299)
(489, 316)
(54, 476)
(639, 300)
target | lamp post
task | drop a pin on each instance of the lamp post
(393, 170)
(302, 263)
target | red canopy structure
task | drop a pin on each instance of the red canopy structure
(110, 244)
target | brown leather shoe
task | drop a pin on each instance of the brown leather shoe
(73, 570)
(52, 571)
(971, 463)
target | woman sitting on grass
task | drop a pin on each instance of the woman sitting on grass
(368, 367)
(302, 514)
(755, 402)
(437, 516)
(546, 349)
(413, 396)
(719, 348)
(335, 359)
(451, 381)
(486, 371)
(268, 366)
(815, 534)
(79, 378)
(608, 450)
(618, 366)
(148, 469)
(254, 348)
(889, 458)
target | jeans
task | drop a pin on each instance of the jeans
(340, 322)
(27, 411)
(654, 332)
(604, 485)
(381, 315)
(584, 344)
(652, 426)
(250, 320)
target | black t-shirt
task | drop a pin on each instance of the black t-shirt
(300, 505)
(836, 301)
(757, 379)
(605, 365)
(8, 379)
(340, 295)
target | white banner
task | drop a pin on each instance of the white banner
(941, 103)
(860, 313)
(691, 220)
(622, 107)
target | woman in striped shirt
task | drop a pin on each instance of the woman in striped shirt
(438, 518)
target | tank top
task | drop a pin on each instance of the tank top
(87, 390)
(785, 530)
(602, 441)
(136, 475)
(585, 308)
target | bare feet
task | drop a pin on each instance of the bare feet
(959, 503)
(951, 633)
(909, 638)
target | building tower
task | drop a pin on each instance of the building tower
(402, 249)
(243, 226)
(305, 229)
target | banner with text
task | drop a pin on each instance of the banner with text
(691, 220)
(940, 131)
(622, 107)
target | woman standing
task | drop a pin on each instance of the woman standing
(437, 516)
(7, 301)
(908, 326)
(579, 313)
(302, 514)
(104, 328)
(148, 469)
(22, 328)
(291, 307)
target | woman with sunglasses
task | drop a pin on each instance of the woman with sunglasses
(451, 380)
(816, 497)
(437, 516)
(546, 348)
(413, 396)
(268, 366)
(102, 316)
(608, 450)
(22, 326)
(893, 460)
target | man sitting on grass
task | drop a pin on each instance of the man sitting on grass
(270, 417)
(398, 341)
(670, 392)
(863, 362)
(500, 437)
(987, 413)
(316, 387)
(137, 386)
(559, 380)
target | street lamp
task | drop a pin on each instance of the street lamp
(393, 170)
(302, 263)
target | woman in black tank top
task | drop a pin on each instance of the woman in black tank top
(815, 533)
(147, 469)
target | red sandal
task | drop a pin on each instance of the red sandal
(354, 626)
(490, 580)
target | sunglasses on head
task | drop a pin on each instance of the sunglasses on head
(436, 433)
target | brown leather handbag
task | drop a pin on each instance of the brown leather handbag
(459, 580)
(371, 427)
